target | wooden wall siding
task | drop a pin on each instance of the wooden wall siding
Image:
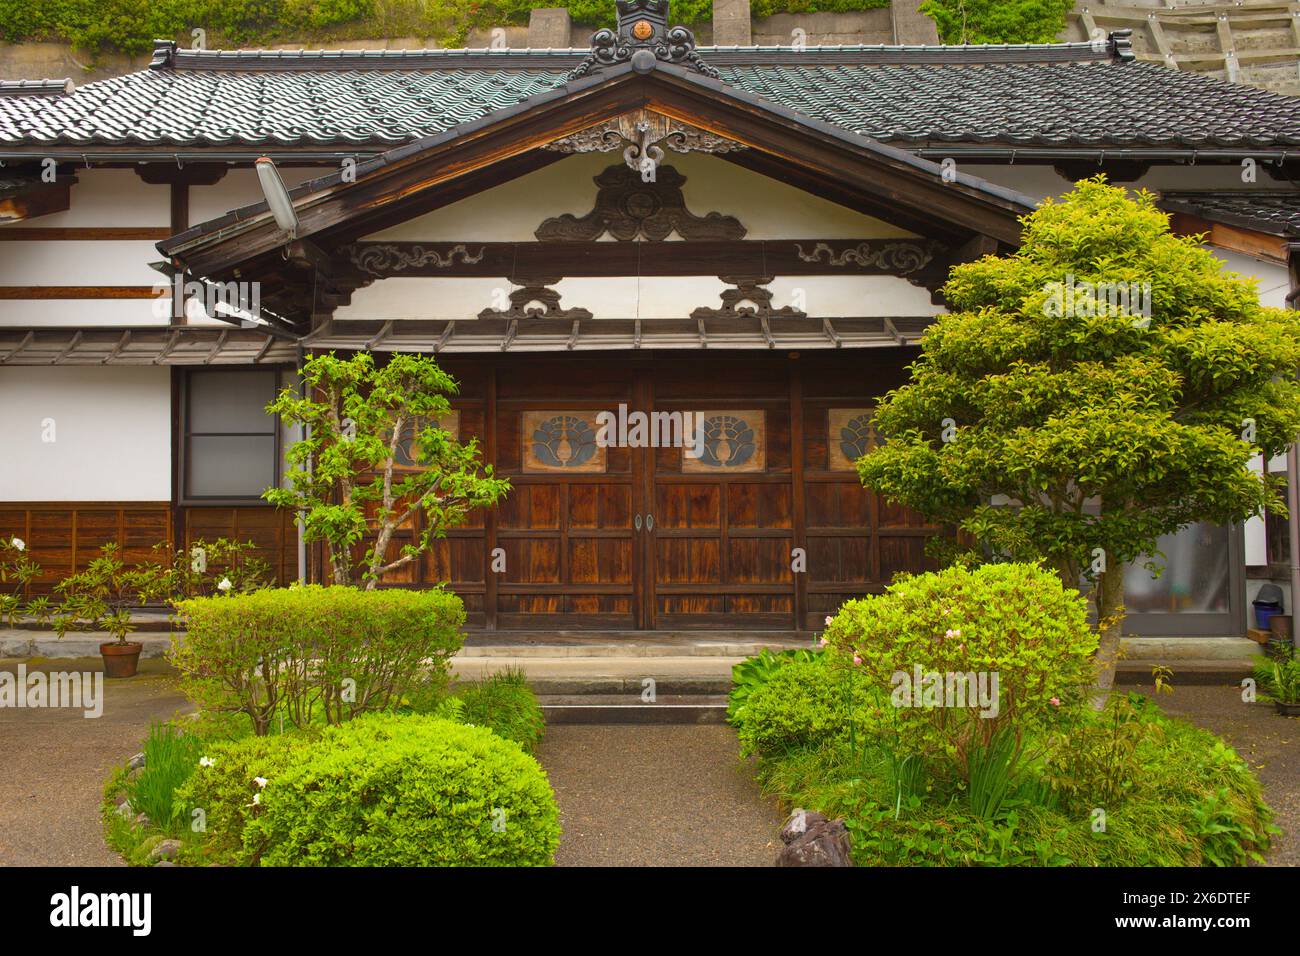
(272, 530)
(63, 537)
(719, 553)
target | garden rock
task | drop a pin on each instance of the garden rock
(123, 807)
(136, 762)
(812, 840)
(142, 819)
(165, 850)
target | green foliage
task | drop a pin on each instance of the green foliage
(313, 652)
(998, 21)
(1096, 762)
(17, 572)
(99, 598)
(1279, 677)
(505, 704)
(131, 25)
(345, 478)
(1192, 802)
(754, 672)
(212, 568)
(170, 756)
(803, 704)
(1017, 623)
(382, 790)
(1100, 427)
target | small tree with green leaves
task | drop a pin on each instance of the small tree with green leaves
(1050, 423)
(359, 417)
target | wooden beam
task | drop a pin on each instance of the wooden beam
(85, 234)
(10, 292)
(40, 199)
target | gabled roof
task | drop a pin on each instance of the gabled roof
(1064, 94)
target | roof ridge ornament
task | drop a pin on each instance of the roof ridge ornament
(643, 38)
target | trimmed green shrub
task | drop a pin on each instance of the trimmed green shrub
(806, 704)
(1013, 623)
(505, 704)
(380, 790)
(304, 653)
(753, 672)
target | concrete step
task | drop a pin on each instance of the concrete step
(631, 709)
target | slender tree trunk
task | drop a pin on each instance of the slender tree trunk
(1110, 620)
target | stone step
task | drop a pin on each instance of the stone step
(630, 709)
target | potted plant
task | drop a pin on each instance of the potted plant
(1279, 679)
(98, 599)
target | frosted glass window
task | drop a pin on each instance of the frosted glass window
(231, 402)
(231, 466)
(230, 440)
(1195, 578)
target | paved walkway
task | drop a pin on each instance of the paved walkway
(54, 761)
(657, 795)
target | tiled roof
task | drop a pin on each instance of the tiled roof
(1052, 94)
(1275, 212)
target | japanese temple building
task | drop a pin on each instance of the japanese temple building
(757, 235)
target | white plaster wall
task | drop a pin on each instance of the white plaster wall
(767, 208)
(79, 262)
(64, 312)
(632, 297)
(111, 430)
(110, 197)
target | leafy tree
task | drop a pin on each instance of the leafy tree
(1053, 424)
(358, 417)
(998, 21)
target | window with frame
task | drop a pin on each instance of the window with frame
(232, 446)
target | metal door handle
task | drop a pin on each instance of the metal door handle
(637, 522)
(649, 522)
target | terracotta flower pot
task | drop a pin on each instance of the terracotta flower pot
(121, 660)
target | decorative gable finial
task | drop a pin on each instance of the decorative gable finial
(643, 38)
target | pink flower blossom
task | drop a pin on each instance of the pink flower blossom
(856, 659)
(1055, 702)
(823, 642)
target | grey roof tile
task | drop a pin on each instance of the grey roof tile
(1052, 94)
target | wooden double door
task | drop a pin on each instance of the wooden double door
(767, 529)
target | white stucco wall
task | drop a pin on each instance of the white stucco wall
(111, 430)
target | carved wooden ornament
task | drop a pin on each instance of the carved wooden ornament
(628, 208)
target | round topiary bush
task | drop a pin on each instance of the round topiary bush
(380, 790)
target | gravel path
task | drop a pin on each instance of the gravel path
(54, 761)
(657, 795)
(1269, 743)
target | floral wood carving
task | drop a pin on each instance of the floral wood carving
(386, 260)
(751, 290)
(535, 300)
(899, 258)
(628, 208)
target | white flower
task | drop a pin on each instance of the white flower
(257, 799)
(19, 544)
(206, 762)
(261, 782)
(225, 585)
(828, 620)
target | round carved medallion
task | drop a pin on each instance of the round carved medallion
(642, 30)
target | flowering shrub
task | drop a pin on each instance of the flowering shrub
(381, 790)
(304, 652)
(1012, 628)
